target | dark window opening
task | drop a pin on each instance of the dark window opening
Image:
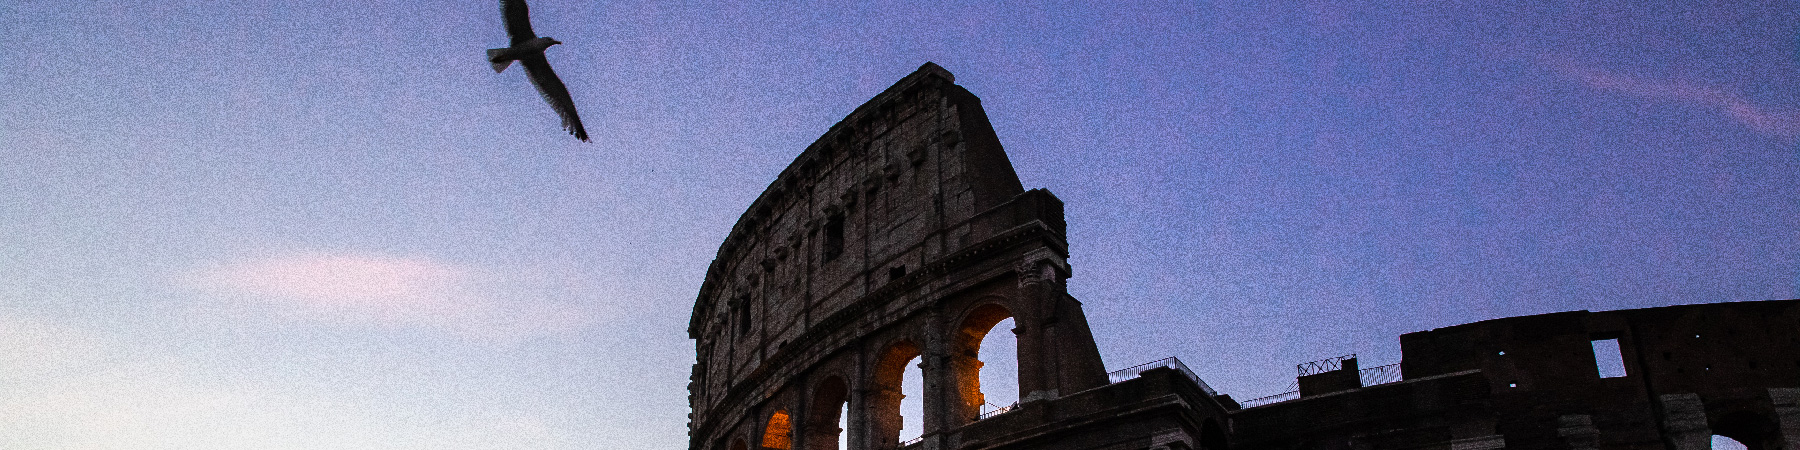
(743, 317)
(834, 238)
(896, 273)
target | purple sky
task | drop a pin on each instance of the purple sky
(329, 224)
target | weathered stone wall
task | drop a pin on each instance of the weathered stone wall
(902, 232)
(1691, 371)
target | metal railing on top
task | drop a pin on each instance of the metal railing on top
(1277, 398)
(1170, 362)
(1323, 365)
(1372, 376)
(1380, 374)
(992, 410)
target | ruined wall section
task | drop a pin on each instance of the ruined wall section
(1688, 372)
(892, 187)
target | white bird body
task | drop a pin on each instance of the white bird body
(528, 49)
(503, 57)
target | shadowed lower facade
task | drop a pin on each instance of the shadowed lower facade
(903, 234)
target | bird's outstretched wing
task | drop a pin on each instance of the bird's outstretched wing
(551, 87)
(518, 20)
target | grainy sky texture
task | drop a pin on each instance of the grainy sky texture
(328, 224)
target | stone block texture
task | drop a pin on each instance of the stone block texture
(903, 236)
(901, 233)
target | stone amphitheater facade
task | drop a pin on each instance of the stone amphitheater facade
(904, 233)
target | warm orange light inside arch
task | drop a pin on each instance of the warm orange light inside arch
(885, 397)
(779, 433)
(974, 331)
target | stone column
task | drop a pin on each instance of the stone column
(1067, 361)
(941, 403)
(1787, 414)
(1041, 273)
(799, 418)
(1684, 422)
(965, 370)
(856, 432)
(885, 423)
(1578, 430)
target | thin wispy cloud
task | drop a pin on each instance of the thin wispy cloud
(394, 291)
(70, 388)
(1771, 121)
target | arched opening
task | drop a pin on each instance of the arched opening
(1725, 443)
(843, 442)
(998, 353)
(825, 423)
(1745, 430)
(779, 433)
(738, 444)
(886, 396)
(1212, 436)
(985, 364)
(912, 401)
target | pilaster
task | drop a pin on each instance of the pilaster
(1684, 422)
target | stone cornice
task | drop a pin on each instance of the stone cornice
(928, 75)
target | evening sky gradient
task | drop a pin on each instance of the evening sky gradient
(329, 224)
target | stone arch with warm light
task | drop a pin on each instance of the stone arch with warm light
(966, 360)
(778, 433)
(897, 234)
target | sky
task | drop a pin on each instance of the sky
(329, 224)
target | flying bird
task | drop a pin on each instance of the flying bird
(528, 49)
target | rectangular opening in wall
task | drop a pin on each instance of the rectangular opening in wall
(1608, 359)
(834, 238)
(743, 315)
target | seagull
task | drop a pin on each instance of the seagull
(528, 49)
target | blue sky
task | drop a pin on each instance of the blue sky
(329, 224)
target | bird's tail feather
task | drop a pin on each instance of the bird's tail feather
(493, 58)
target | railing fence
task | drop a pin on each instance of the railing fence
(1170, 362)
(989, 410)
(1277, 398)
(1323, 365)
(1380, 374)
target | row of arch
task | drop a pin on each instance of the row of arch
(827, 401)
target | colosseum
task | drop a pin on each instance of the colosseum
(904, 234)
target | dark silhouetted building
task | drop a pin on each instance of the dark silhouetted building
(903, 234)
